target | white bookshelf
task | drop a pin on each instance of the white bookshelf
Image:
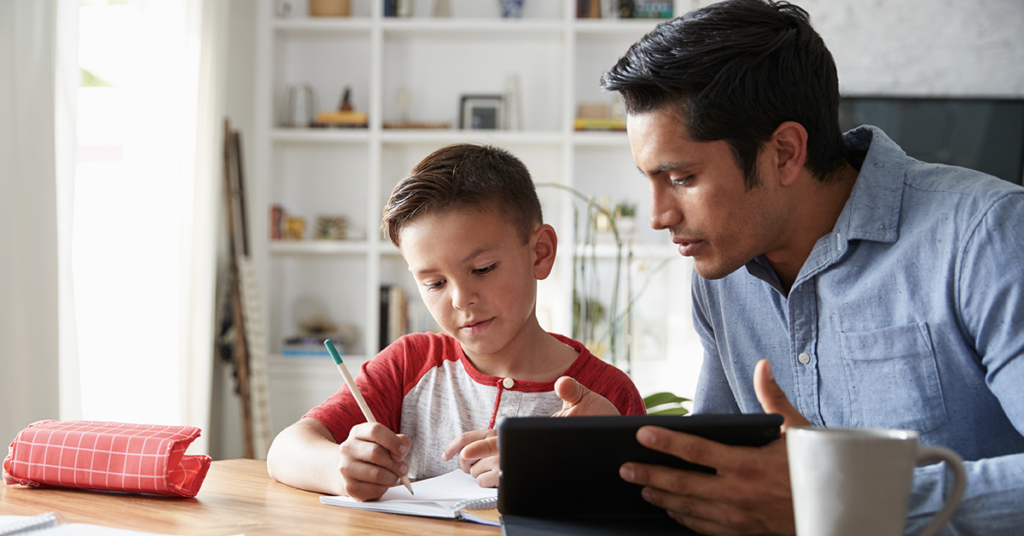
(351, 172)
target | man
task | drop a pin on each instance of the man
(881, 291)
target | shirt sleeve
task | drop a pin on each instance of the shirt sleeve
(990, 281)
(713, 395)
(380, 381)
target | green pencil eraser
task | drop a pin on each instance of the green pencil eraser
(334, 351)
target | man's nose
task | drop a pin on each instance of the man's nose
(664, 213)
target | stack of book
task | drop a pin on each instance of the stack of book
(394, 314)
(310, 346)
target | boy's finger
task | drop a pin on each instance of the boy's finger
(577, 400)
(377, 433)
(370, 475)
(373, 454)
(460, 442)
(484, 448)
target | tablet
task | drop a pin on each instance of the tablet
(569, 466)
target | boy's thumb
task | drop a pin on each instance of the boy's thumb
(772, 398)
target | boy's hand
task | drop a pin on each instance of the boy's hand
(372, 460)
(478, 455)
(578, 401)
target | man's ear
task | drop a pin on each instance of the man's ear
(543, 245)
(789, 146)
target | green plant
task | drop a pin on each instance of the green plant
(626, 209)
(665, 404)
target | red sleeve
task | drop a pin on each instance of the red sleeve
(611, 383)
(384, 381)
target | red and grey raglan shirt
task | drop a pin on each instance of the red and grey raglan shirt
(422, 385)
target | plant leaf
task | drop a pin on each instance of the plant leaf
(658, 399)
(677, 410)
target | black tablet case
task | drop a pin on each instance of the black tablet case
(569, 466)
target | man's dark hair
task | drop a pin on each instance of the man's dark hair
(466, 176)
(735, 71)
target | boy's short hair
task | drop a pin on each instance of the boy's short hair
(735, 71)
(466, 176)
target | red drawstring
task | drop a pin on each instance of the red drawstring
(497, 403)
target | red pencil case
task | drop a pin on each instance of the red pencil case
(109, 456)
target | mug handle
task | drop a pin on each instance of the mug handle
(927, 455)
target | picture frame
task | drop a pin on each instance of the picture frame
(481, 112)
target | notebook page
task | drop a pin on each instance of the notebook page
(434, 497)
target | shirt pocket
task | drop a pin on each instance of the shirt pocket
(893, 378)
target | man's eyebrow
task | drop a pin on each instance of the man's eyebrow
(667, 166)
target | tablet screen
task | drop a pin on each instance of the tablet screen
(569, 466)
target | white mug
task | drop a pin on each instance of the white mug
(857, 481)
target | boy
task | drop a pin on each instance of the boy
(468, 222)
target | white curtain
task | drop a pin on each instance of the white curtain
(28, 217)
(110, 267)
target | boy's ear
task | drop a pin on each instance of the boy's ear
(544, 245)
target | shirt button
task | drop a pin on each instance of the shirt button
(804, 358)
(508, 383)
(839, 242)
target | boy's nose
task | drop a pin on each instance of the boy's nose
(462, 296)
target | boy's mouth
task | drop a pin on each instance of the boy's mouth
(474, 327)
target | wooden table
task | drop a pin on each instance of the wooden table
(237, 497)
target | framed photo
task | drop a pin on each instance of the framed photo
(481, 112)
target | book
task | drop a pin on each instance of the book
(394, 314)
(455, 495)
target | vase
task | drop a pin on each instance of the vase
(511, 9)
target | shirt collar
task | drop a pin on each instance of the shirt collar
(873, 210)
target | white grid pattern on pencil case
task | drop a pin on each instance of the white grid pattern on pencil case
(146, 432)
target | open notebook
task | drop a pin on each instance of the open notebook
(455, 495)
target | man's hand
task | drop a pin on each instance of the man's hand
(478, 455)
(750, 494)
(579, 401)
(372, 460)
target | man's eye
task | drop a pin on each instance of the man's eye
(683, 181)
(481, 271)
(434, 286)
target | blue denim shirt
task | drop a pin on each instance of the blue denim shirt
(909, 314)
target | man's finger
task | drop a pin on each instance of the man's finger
(694, 449)
(678, 482)
(772, 398)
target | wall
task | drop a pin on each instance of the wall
(905, 47)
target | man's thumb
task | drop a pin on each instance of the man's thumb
(772, 398)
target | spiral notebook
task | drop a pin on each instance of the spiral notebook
(455, 495)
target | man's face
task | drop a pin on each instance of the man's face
(698, 194)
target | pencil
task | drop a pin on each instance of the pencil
(359, 396)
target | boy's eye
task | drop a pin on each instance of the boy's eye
(435, 285)
(481, 271)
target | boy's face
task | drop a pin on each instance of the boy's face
(475, 275)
